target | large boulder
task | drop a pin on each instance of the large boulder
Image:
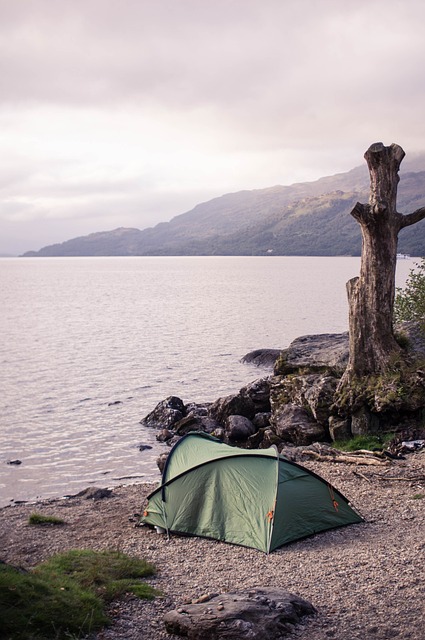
(261, 420)
(292, 423)
(326, 351)
(231, 405)
(238, 428)
(254, 614)
(339, 428)
(258, 392)
(166, 414)
(314, 392)
(195, 423)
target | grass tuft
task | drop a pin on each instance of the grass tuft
(369, 442)
(66, 595)
(39, 518)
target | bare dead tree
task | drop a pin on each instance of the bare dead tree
(371, 296)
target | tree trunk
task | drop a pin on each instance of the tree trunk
(371, 296)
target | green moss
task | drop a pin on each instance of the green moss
(65, 596)
(418, 496)
(401, 387)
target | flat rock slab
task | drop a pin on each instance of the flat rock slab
(315, 352)
(254, 614)
(262, 357)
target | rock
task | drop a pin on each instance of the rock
(187, 424)
(292, 423)
(413, 332)
(239, 428)
(256, 440)
(166, 414)
(258, 392)
(261, 420)
(319, 395)
(253, 614)
(364, 422)
(209, 425)
(197, 409)
(172, 441)
(326, 351)
(144, 447)
(339, 428)
(195, 423)
(270, 439)
(15, 462)
(93, 493)
(230, 406)
(262, 357)
(161, 460)
(219, 433)
(164, 435)
(313, 392)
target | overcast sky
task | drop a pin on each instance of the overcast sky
(129, 112)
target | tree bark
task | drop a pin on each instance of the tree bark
(371, 296)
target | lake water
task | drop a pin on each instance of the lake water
(90, 345)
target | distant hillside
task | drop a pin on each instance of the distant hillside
(311, 218)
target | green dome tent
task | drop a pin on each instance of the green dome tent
(250, 497)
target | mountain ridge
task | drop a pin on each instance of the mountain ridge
(308, 218)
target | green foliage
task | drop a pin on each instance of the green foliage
(38, 518)
(369, 442)
(418, 496)
(66, 595)
(410, 302)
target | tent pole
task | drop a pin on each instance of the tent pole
(164, 516)
(275, 500)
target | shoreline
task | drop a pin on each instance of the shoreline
(364, 579)
(57, 498)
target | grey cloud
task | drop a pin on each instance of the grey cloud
(187, 53)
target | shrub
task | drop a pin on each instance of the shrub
(410, 302)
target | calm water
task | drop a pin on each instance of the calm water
(90, 345)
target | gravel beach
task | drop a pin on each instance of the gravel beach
(365, 580)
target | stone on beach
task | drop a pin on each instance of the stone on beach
(256, 614)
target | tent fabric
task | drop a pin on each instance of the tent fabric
(250, 497)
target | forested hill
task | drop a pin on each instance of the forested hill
(311, 218)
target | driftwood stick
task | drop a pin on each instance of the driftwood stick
(346, 459)
(366, 452)
(391, 478)
(361, 475)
